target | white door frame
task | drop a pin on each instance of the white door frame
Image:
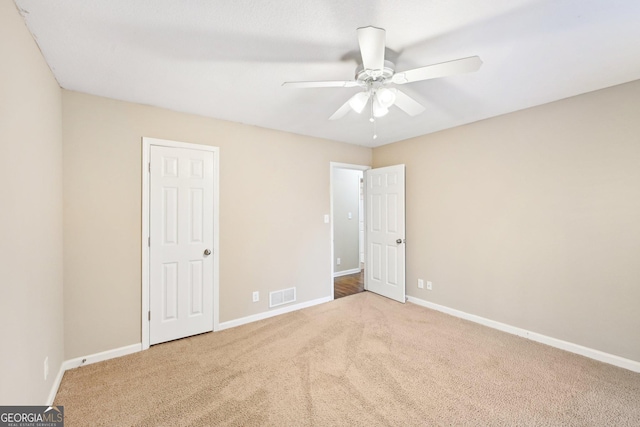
(332, 166)
(146, 150)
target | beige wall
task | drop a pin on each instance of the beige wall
(30, 216)
(274, 192)
(533, 218)
(346, 199)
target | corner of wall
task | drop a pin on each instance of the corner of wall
(31, 224)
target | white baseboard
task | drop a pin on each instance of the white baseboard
(346, 272)
(591, 353)
(88, 360)
(266, 314)
(55, 386)
(103, 355)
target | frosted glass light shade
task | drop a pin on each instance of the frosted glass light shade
(386, 97)
(358, 101)
(379, 110)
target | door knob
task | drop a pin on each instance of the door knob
(399, 241)
(207, 252)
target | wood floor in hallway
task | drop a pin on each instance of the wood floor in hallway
(344, 286)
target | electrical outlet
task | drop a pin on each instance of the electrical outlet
(429, 285)
(420, 283)
(46, 367)
(256, 296)
(338, 261)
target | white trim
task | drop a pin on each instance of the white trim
(88, 360)
(146, 148)
(346, 272)
(101, 356)
(336, 165)
(56, 385)
(272, 313)
(591, 353)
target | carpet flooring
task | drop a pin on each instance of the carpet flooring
(362, 360)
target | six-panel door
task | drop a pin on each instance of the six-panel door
(181, 231)
(385, 266)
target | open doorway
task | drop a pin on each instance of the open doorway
(348, 217)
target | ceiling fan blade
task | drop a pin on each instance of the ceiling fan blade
(450, 68)
(372, 44)
(408, 104)
(357, 103)
(337, 83)
(341, 112)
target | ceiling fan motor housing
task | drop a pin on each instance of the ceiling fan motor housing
(366, 76)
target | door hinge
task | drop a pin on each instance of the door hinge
(149, 315)
(149, 166)
(149, 241)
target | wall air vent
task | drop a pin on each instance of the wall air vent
(284, 296)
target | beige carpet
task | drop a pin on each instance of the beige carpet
(362, 360)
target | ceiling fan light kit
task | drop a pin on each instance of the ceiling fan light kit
(386, 97)
(375, 74)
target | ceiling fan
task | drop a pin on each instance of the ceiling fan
(376, 74)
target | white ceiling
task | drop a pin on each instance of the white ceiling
(228, 58)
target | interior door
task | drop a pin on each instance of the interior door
(385, 232)
(181, 240)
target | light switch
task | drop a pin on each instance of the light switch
(326, 219)
(349, 215)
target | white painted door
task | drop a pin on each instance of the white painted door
(181, 235)
(385, 265)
